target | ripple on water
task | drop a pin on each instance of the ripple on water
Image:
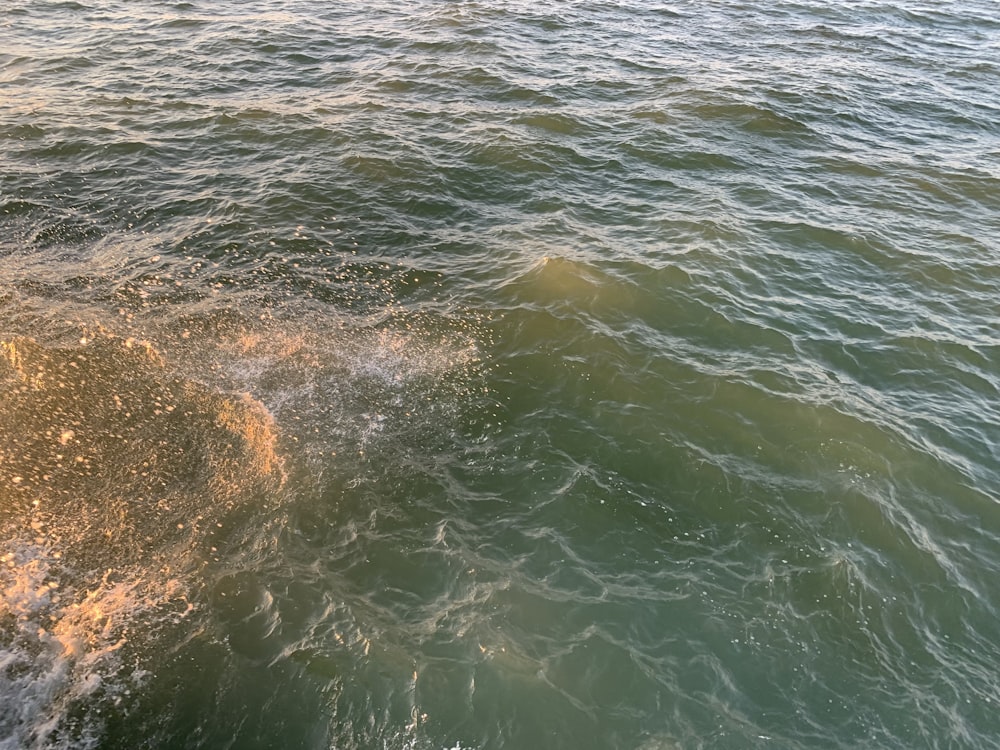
(622, 375)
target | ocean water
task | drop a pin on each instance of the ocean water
(490, 374)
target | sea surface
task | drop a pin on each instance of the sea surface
(481, 374)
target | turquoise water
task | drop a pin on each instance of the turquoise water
(500, 375)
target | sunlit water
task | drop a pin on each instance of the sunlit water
(500, 375)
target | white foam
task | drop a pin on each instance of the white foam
(61, 648)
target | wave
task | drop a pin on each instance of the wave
(117, 481)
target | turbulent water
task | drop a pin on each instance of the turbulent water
(493, 374)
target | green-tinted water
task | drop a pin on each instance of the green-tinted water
(499, 375)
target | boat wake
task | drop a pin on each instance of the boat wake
(118, 481)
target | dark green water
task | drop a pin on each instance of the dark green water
(443, 375)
